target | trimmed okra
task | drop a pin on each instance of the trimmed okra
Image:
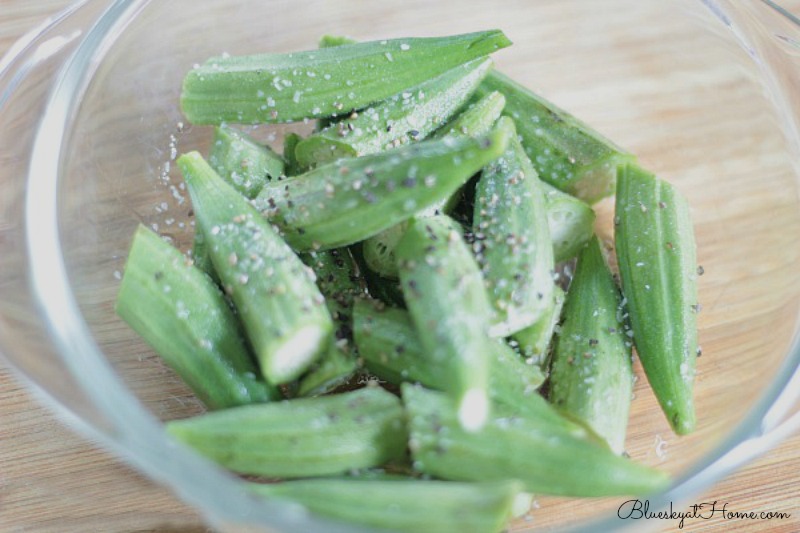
(405, 117)
(339, 282)
(200, 255)
(183, 315)
(544, 457)
(565, 152)
(272, 88)
(590, 376)
(512, 239)
(290, 142)
(450, 309)
(242, 161)
(281, 308)
(351, 199)
(534, 341)
(475, 120)
(299, 438)
(658, 270)
(403, 504)
(390, 347)
(570, 220)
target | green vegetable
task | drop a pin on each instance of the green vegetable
(290, 142)
(200, 255)
(571, 222)
(444, 293)
(352, 199)
(591, 377)
(545, 458)
(281, 308)
(329, 41)
(270, 88)
(339, 282)
(299, 438)
(533, 342)
(657, 265)
(388, 343)
(476, 120)
(403, 505)
(379, 250)
(565, 152)
(182, 314)
(242, 161)
(408, 116)
(512, 238)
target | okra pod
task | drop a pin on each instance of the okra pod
(404, 504)
(319, 436)
(534, 341)
(183, 315)
(565, 152)
(351, 199)
(339, 282)
(390, 347)
(570, 220)
(474, 121)
(272, 88)
(281, 308)
(242, 161)
(657, 266)
(290, 142)
(512, 235)
(590, 376)
(450, 309)
(200, 256)
(408, 116)
(542, 456)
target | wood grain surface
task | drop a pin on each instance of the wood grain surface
(52, 480)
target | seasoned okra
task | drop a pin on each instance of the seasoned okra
(512, 239)
(565, 152)
(351, 199)
(271, 88)
(242, 161)
(299, 438)
(408, 116)
(544, 457)
(403, 504)
(658, 268)
(570, 220)
(534, 341)
(182, 314)
(450, 309)
(281, 308)
(290, 142)
(590, 376)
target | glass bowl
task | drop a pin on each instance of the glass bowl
(705, 92)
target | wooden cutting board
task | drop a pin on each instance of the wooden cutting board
(52, 480)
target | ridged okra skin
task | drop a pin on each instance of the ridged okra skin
(406, 117)
(282, 310)
(350, 200)
(477, 119)
(566, 152)
(340, 283)
(590, 376)
(242, 161)
(543, 457)
(388, 343)
(658, 269)
(534, 342)
(292, 167)
(272, 88)
(511, 228)
(570, 220)
(406, 505)
(306, 437)
(450, 309)
(183, 315)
